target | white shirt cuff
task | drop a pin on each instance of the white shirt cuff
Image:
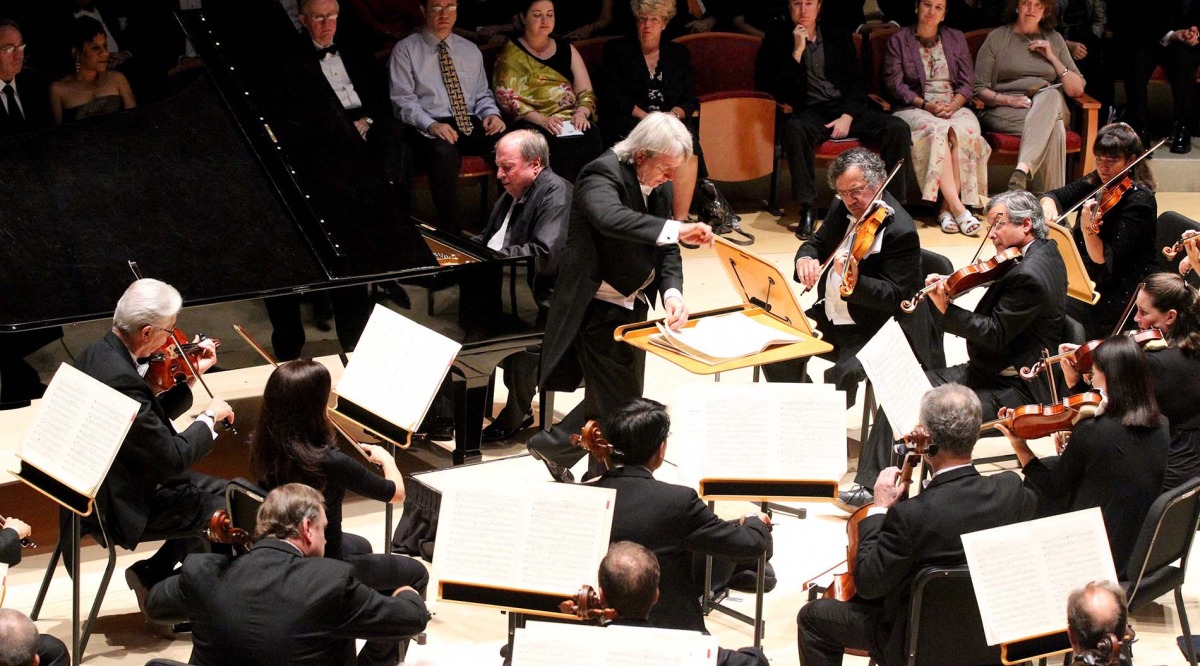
(669, 234)
(212, 427)
(877, 511)
(671, 293)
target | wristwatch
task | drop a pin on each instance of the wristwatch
(212, 415)
(369, 121)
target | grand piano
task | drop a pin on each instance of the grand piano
(249, 183)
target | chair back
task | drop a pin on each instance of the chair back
(944, 625)
(242, 500)
(721, 61)
(592, 53)
(753, 154)
(975, 39)
(1169, 228)
(875, 52)
(1166, 535)
(922, 329)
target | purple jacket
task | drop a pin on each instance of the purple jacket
(904, 73)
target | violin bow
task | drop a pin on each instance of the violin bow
(196, 373)
(853, 228)
(1120, 174)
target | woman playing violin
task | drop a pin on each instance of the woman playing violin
(1117, 246)
(1116, 460)
(293, 443)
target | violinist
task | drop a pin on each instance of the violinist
(899, 538)
(293, 443)
(670, 519)
(1020, 315)
(1115, 460)
(888, 273)
(1117, 247)
(150, 489)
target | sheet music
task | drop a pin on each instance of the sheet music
(1056, 555)
(897, 377)
(759, 431)
(546, 644)
(397, 368)
(543, 538)
(79, 427)
(721, 338)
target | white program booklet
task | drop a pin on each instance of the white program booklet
(1054, 556)
(899, 381)
(554, 644)
(397, 368)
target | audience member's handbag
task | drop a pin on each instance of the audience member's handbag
(717, 213)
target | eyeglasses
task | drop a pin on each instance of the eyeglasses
(852, 193)
(9, 49)
(322, 18)
(438, 10)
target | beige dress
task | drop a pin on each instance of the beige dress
(931, 135)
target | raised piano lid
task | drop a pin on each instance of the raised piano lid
(248, 183)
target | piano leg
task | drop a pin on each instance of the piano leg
(470, 401)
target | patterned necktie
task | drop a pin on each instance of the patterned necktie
(696, 8)
(10, 98)
(458, 104)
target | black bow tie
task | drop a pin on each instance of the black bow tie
(328, 50)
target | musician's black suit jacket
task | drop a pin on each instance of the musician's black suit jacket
(886, 278)
(272, 606)
(34, 92)
(1021, 314)
(925, 531)
(153, 454)
(610, 238)
(10, 547)
(672, 521)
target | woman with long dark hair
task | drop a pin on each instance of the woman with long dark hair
(1115, 460)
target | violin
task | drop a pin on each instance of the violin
(26, 542)
(978, 274)
(221, 530)
(1081, 356)
(1109, 192)
(1109, 197)
(864, 240)
(1035, 421)
(590, 439)
(586, 606)
(168, 369)
(916, 444)
(1186, 243)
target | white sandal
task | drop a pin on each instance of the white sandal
(968, 224)
(947, 222)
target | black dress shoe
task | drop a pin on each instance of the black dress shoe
(808, 222)
(1181, 140)
(557, 472)
(494, 432)
(746, 580)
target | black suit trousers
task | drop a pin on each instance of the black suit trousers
(826, 627)
(805, 131)
(1180, 62)
(351, 310)
(385, 573)
(442, 160)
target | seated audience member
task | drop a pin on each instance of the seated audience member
(23, 95)
(1015, 63)
(283, 603)
(1083, 24)
(22, 645)
(1115, 460)
(928, 73)
(528, 220)
(816, 71)
(1118, 251)
(646, 73)
(92, 90)
(439, 89)
(898, 539)
(1166, 35)
(629, 576)
(670, 519)
(888, 275)
(542, 83)
(1098, 624)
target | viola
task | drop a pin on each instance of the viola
(1034, 421)
(590, 439)
(168, 368)
(26, 542)
(1081, 356)
(978, 274)
(221, 530)
(864, 239)
(1109, 197)
(586, 606)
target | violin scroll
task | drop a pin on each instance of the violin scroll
(590, 439)
(586, 606)
(221, 530)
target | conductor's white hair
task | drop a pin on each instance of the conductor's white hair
(147, 302)
(658, 134)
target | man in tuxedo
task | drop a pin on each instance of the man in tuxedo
(1167, 33)
(816, 72)
(1021, 313)
(888, 274)
(440, 90)
(898, 539)
(629, 576)
(620, 251)
(150, 489)
(25, 98)
(528, 220)
(670, 519)
(283, 602)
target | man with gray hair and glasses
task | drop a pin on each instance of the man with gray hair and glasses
(1022, 313)
(150, 490)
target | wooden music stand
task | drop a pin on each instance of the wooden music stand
(766, 298)
(1033, 648)
(1079, 285)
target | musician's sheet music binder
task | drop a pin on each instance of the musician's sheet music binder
(767, 298)
(1079, 285)
(523, 549)
(1029, 620)
(394, 375)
